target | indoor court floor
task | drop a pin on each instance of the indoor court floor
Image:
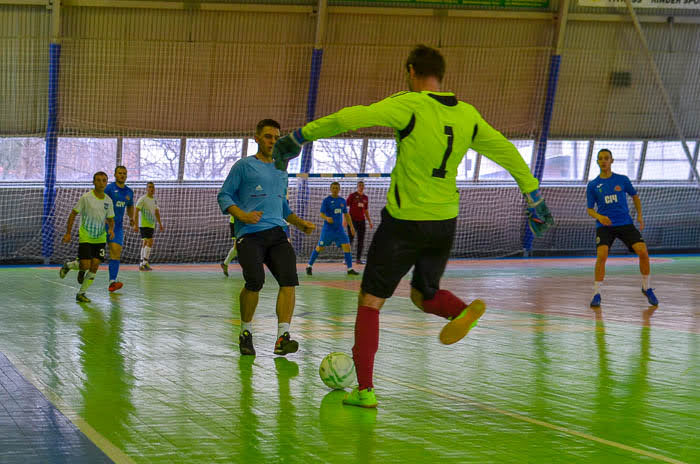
(152, 373)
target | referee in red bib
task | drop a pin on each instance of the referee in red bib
(358, 204)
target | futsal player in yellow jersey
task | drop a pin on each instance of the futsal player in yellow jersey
(433, 132)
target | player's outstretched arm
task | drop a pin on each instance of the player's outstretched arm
(539, 218)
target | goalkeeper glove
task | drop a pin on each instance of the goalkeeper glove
(539, 218)
(287, 148)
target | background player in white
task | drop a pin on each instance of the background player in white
(333, 209)
(147, 207)
(123, 200)
(613, 220)
(95, 208)
(232, 252)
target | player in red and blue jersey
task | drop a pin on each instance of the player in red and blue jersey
(609, 192)
(333, 209)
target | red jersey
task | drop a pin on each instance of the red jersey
(357, 204)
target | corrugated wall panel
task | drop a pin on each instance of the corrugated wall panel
(24, 51)
(237, 69)
(589, 104)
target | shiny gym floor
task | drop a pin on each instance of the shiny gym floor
(152, 373)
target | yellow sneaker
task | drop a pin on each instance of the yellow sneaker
(362, 398)
(459, 327)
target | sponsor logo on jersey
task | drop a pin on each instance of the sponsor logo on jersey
(258, 188)
(618, 188)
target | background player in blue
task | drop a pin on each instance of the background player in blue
(333, 209)
(613, 220)
(255, 194)
(123, 198)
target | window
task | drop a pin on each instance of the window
(565, 159)
(211, 159)
(625, 153)
(22, 158)
(667, 161)
(337, 155)
(492, 171)
(80, 158)
(381, 155)
(151, 159)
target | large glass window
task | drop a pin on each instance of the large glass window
(492, 171)
(625, 153)
(151, 159)
(667, 161)
(294, 165)
(79, 158)
(337, 155)
(211, 159)
(565, 159)
(381, 155)
(22, 158)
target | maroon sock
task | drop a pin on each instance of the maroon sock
(366, 344)
(444, 304)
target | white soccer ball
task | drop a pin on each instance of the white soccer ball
(337, 371)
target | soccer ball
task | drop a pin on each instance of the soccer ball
(337, 371)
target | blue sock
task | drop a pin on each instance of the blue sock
(314, 255)
(348, 260)
(113, 269)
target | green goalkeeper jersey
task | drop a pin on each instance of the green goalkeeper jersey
(433, 132)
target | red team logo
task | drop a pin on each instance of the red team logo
(618, 188)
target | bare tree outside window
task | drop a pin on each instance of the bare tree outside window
(337, 155)
(151, 159)
(22, 158)
(211, 159)
(381, 155)
(79, 158)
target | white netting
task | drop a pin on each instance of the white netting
(174, 95)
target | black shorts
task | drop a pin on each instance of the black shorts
(606, 235)
(146, 232)
(398, 245)
(271, 248)
(233, 230)
(91, 251)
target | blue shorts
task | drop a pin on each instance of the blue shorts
(329, 236)
(118, 235)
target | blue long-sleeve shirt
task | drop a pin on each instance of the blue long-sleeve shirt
(254, 185)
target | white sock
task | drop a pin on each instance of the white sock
(73, 265)
(231, 254)
(596, 287)
(143, 255)
(246, 326)
(645, 282)
(282, 327)
(147, 253)
(89, 279)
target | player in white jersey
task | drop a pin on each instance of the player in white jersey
(94, 207)
(147, 213)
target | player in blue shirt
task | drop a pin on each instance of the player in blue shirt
(255, 194)
(333, 209)
(123, 199)
(608, 191)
